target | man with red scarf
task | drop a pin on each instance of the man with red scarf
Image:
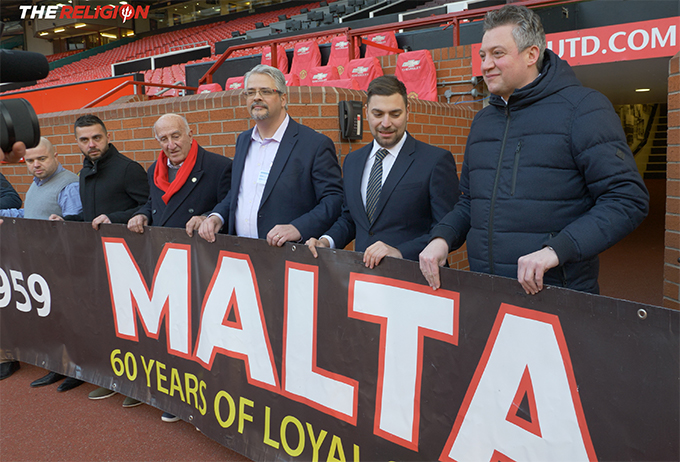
(186, 180)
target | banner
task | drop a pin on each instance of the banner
(280, 356)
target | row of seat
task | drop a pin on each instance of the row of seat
(415, 68)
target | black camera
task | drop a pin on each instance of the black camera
(18, 122)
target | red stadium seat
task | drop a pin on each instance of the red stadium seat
(234, 83)
(209, 88)
(306, 56)
(339, 57)
(387, 39)
(323, 74)
(340, 83)
(363, 71)
(292, 80)
(281, 58)
(416, 69)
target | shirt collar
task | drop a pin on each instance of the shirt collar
(39, 182)
(278, 136)
(176, 167)
(394, 150)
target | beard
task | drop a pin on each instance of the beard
(259, 116)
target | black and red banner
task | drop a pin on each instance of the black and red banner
(281, 356)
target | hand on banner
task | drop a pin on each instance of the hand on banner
(377, 251)
(18, 151)
(280, 234)
(210, 227)
(194, 224)
(99, 220)
(55, 217)
(532, 267)
(313, 243)
(137, 223)
(431, 258)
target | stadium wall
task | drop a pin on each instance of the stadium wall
(217, 118)
(671, 288)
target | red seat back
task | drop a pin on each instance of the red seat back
(339, 57)
(292, 80)
(281, 58)
(209, 88)
(416, 69)
(323, 74)
(363, 71)
(306, 56)
(386, 39)
(234, 83)
(340, 83)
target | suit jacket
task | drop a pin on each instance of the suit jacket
(304, 186)
(421, 188)
(207, 185)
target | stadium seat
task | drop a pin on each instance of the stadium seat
(416, 69)
(323, 74)
(281, 58)
(234, 83)
(363, 71)
(292, 80)
(339, 56)
(306, 56)
(387, 39)
(340, 83)
(209, 88)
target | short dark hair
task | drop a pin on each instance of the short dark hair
(87, 121)
(528, 30)
(387, 85)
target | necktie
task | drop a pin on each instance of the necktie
(374, 184)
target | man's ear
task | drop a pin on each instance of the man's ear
(533, 53)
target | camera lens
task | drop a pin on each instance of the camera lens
(18, 122)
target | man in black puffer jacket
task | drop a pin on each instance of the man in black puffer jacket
(548, 181)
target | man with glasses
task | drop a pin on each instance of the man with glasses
(286, 184)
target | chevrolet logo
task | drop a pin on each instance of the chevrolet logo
(319, 76)
(411, 63)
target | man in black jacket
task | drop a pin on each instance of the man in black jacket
(112, 187)
(548, 181)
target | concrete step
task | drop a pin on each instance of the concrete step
(657, 158)
(654, 176)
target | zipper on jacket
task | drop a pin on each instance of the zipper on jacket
(495, 190)
(515, 167)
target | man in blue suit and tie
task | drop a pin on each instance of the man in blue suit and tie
(396, 188)
(286, 183)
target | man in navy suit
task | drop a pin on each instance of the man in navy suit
(396, 188)
(186, 180)
(286, 181)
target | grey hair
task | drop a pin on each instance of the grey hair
(184, 122)
(274, 73)
(528, 30)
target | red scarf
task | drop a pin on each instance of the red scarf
(160, 174)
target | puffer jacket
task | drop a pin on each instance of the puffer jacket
(550, 168)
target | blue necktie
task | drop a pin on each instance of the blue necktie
(375, 184)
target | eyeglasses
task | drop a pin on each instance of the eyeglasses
(264, 92)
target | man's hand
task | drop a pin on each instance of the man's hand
(377, 251)
(55, 217)
(137, 223)
(431, 258)
(313, 243)
(18, 151)
(99, 220)
(194, 224)
(280, 234)
(532, 267)
(209, 228)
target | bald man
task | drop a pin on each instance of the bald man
(54, 192)
(54, 189)
(185, 182)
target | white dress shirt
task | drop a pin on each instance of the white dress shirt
(259, 161)
(387, 164)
